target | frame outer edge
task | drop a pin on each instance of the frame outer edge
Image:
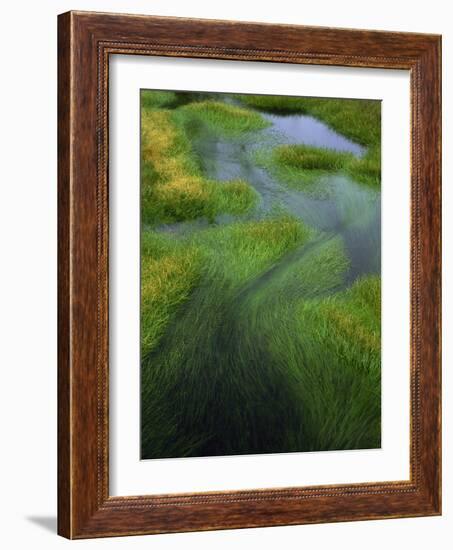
(64, 301)
(427, 275)
(82, 511)
(438, 298)
(432, 270)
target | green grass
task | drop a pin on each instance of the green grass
(340, 372)
(192, 376)
(156, 99)
(367, 169)
(230, 120)
(230, 373)
(306, 157)
(169, 271)
(171, 267)
(357, 119)
(172, 186)
(329, 345)
(250, 340)
(303, 167)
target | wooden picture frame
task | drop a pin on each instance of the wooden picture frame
(85, 42)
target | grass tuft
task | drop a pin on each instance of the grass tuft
(173, 188)
(156, 99)
(225, 118)
(169, 272)
(367, 169)
(340, 373)
(304, 167)
(310, 158)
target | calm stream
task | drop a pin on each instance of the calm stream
(349, 209)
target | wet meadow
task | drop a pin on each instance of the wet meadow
(260, 274)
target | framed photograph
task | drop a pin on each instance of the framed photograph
(249, 275)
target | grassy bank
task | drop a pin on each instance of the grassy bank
(367, 170)
(173, 188)
(310, 158)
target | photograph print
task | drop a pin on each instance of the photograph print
(260, 305)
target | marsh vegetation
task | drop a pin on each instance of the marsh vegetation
(260, 274)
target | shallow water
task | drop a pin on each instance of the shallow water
(347, 208)
(311, 131)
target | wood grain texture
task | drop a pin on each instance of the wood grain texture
(64, 366)
(85, 42)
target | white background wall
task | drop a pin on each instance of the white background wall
(28, 125)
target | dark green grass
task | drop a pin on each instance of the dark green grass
(163, 99)
(192, 386)
(229, 375)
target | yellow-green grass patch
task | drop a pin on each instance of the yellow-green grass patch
(173, 188)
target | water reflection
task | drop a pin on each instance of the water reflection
(311, 131)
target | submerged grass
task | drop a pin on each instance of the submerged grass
(173, 188)
(171, 267)
(232, 371)
(194, 381)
